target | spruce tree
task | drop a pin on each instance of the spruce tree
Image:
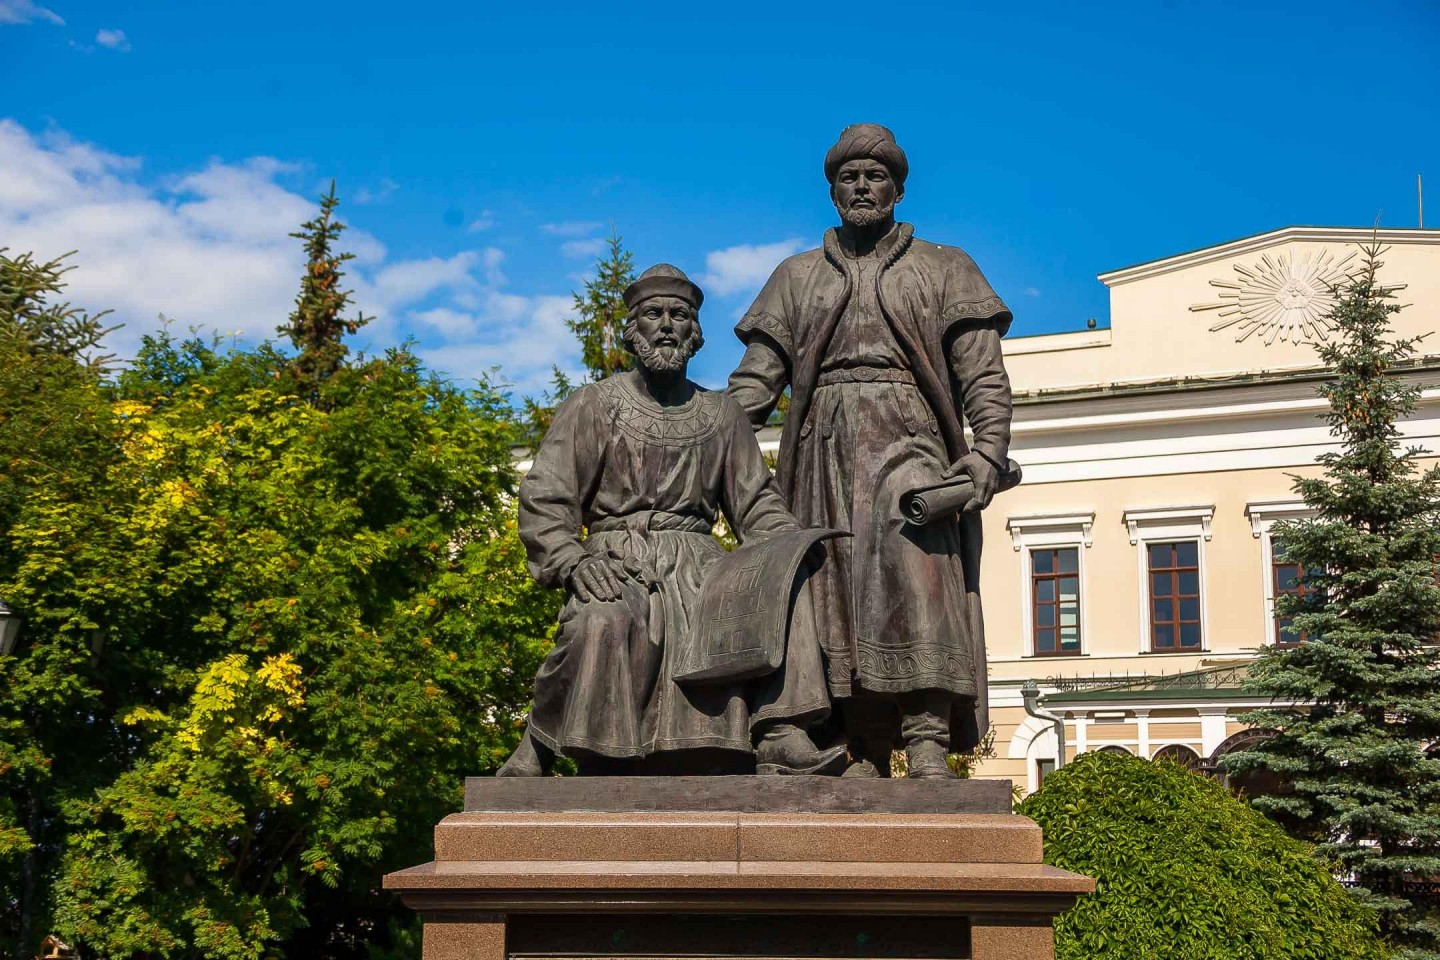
(599, 325)
(1360, 754)
(317, 327)
(32, 321)
(600, 312)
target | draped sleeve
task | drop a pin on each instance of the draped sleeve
(764, 370)
(748, 495)
(560, 484)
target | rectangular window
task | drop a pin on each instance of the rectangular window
(1285, 581)
(1174, 573)
(1055, 600)
(1043, 769)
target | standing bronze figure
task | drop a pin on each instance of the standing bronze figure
(889, 345)
(618, 509)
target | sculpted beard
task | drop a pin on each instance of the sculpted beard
(866, 216)
(664, 359)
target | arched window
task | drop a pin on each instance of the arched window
(1184, 756)
(1112, 748)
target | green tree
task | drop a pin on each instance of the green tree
(599, 321)
(267, 633)
(57, 435)
(1359, 758)
(317, 326)
(599, 325)
(1186, 871)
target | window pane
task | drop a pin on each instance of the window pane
(1045, 616)
(1285, 630)
(1044, 641)
(1190, 609)
(1189, 634)
(1069, 560)
(1069, 616)
(1045, 591)
(1164, 636)
(1069, 588)
(1069, 640)
(1162, 610)
(1159, 555)
(1287, 578)
(1189, 583)
(1043, 560)
(1161, 584)
(1187, 552)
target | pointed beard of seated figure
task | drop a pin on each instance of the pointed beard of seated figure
(665, 359)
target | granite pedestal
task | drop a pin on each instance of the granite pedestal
(799, 867)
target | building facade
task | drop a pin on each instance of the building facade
(1133, 573)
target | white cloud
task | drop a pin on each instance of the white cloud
(113, 40)
(365, 196)
(583, 248)
(211, 249)
(485, 221)
(1032, 291)
(15, 12)
(745, 267)
(571, 228)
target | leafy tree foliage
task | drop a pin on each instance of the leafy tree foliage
(1360, 759)
(1186, 871)
(269, 627)
(316, 327)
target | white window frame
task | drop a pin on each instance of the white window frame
(1263, 515)
(1165, 524)
(1050, 531)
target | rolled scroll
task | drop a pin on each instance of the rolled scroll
(938, 501)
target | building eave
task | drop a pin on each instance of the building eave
(1259, 241)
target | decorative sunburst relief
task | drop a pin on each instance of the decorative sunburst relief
(1280, 297)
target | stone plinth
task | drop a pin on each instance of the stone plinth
(664, 873)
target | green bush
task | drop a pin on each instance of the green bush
(1184, 870)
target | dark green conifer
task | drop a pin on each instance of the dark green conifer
(1361, 756)
(317, 326)
(600, 312)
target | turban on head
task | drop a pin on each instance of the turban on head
(663, 280)
(867, 141)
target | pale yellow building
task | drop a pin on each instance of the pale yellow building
(1157, 455)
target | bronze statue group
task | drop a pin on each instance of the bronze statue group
(819, 652)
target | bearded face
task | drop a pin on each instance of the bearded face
(664, 333)
(865, 193)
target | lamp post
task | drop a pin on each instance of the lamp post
(9, 631)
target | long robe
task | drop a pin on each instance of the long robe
(647, 482)
(888, 356)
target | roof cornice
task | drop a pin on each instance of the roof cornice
(1259, 241)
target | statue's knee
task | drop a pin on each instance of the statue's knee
(602, 616)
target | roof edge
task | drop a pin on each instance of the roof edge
(1256, 241)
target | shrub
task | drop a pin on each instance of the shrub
(1184, 870)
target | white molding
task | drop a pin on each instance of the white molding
(1057, 529)
(1263, 514)
(1169, 522)
(1056, 342)
(1067, 530)
(1261, 241)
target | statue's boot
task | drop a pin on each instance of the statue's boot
(869, 759)
(785, 748)
(927, 761)
(530, 759)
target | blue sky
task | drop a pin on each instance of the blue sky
(482, 149)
